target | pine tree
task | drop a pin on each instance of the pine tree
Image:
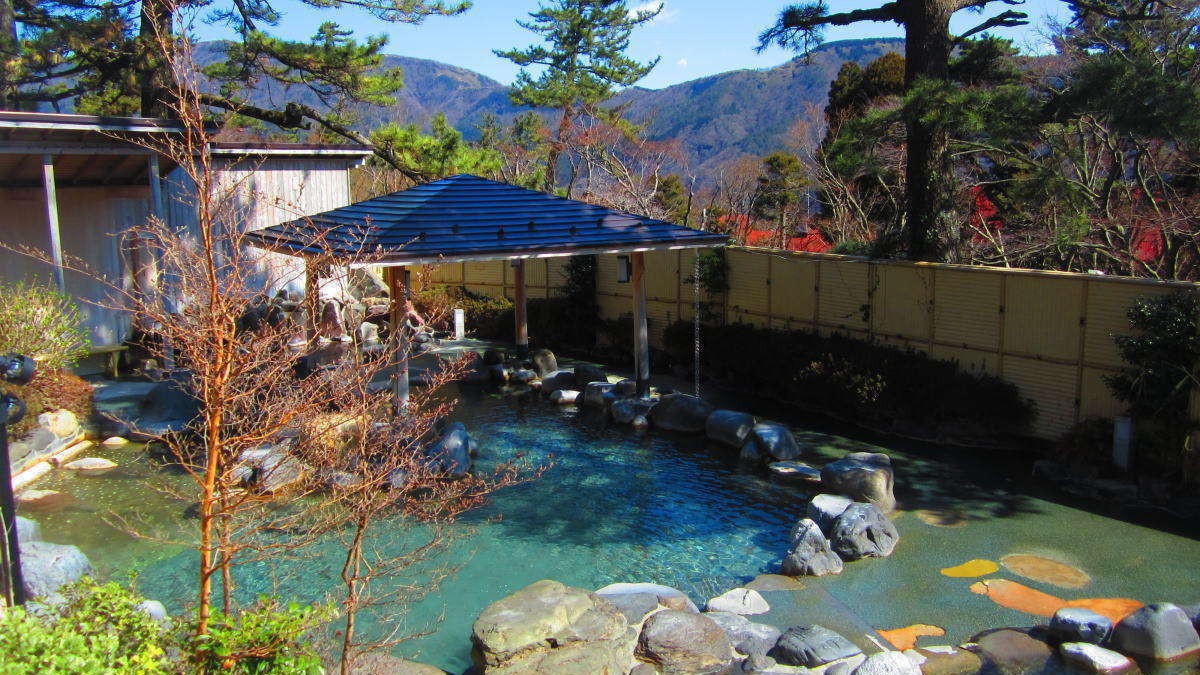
(582, 59)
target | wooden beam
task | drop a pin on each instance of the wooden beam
(641, 331)
(519, 309)
(52, 220)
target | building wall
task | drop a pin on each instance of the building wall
(1049, 333)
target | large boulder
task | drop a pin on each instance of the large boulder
(888, 663)
(547, 627)
(863, 531)
(1077, 624)
(1160, 631)
(635, 607)
(599, 394)
(1014, 651)
(811, 553)
(565, 396)
(269, 469)
(559, 379)
(747, 637)
(28, 530)
(739, 601)
(54, 431)
(544, 361)
(169, 407)
(770, 441)
(826, 509)
(729, 427)
(667, 596)
(811, 646)
(684, 642)
(863, 477)
(681, 412)
(48, 567)
(451, 454)
(585, 374)
(626, 410)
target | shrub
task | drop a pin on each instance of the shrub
(487, 317)
(98, 629)
(48, 391)
(266, 638)
(43, 323)
(898, 390)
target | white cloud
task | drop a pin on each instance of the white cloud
(682, 63)
(664, 15)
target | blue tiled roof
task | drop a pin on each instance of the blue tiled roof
(471, 218)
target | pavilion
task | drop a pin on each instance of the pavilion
(467, 218)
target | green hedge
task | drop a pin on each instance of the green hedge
(883, 387)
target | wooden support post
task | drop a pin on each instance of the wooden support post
(641, 332)
(312, 289)
(397, 279)
(51, 194)
(519, 313)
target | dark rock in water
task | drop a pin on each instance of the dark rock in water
(1014, 651)
(729, 427)
(478, 375)
(684, 642)
(862, 531)
(810, 554)
(586, 373)
(775, 441)
(626, 410)
(451, 454)
(565, 396)
(48, 567)
(1076, 624)
(544, 361)
(499, 372)
(559, 379)
(599, 394)
(627, 387)
(798, 471)
(493, 357)
(825, 510)
(523, 376)
(811, 646)
(746, 636)
(681, 412)
(1160, 631)
(862, 479)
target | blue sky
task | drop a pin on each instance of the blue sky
(694, 37)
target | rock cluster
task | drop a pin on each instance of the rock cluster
(838, 530)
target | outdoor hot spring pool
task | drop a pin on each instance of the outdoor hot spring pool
(618, 506)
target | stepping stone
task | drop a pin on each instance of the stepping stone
(91, 466)
(44, 500)
(1076, 624)
(115, 441)
(1094, 658)
(1162, 631)
(812, 646)
(795, 471)
(774, 582)
(739, 601)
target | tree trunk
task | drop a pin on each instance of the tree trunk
(8, 53)
(928, 182)
(153, 72)
(556, 148)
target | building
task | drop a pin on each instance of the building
(73, 185)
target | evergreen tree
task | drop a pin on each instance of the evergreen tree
(582, 61)
(779, 188)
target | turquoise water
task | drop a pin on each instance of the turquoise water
(615, 506)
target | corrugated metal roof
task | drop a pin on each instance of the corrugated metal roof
(471, 218)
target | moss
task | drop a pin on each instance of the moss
(48, 391)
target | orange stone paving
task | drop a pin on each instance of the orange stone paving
(906, 638)
(1022, 598)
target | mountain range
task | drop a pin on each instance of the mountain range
(717, 119)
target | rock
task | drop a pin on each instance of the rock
(798, 471)
(825, 510)
(641, 423)
(681, 412)
(774, 440)
(171, 404)
(478, 375)
(739, 601)
(887, 663)
(565, 397)
(54, 431)
(1076, 624)
(522, 376)
(626, 410)
(153, 609)
(28, 530)
(1160, 631)
(862, 479)
(547, 627)
(729, 427)
(811, 646)
(332, 479)
(843, 667)
(44, 500)
(948, 660)
(544, 362)
(499, 372)
(758, 663)
(586, 373)
(398, 479)
(599, 394)
(48, 567)
(559, 379)
(115, 441)
(627, 387)
(634, 606)
(451, 454)
(1094, 658)
(386, 664)
(684, 642)
(493, 357)
(667, 596)
(269, 469)
(1013, 651)
(862, 531)
(747, 637)
(91, 466)
(810, 554)
(774, 582)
